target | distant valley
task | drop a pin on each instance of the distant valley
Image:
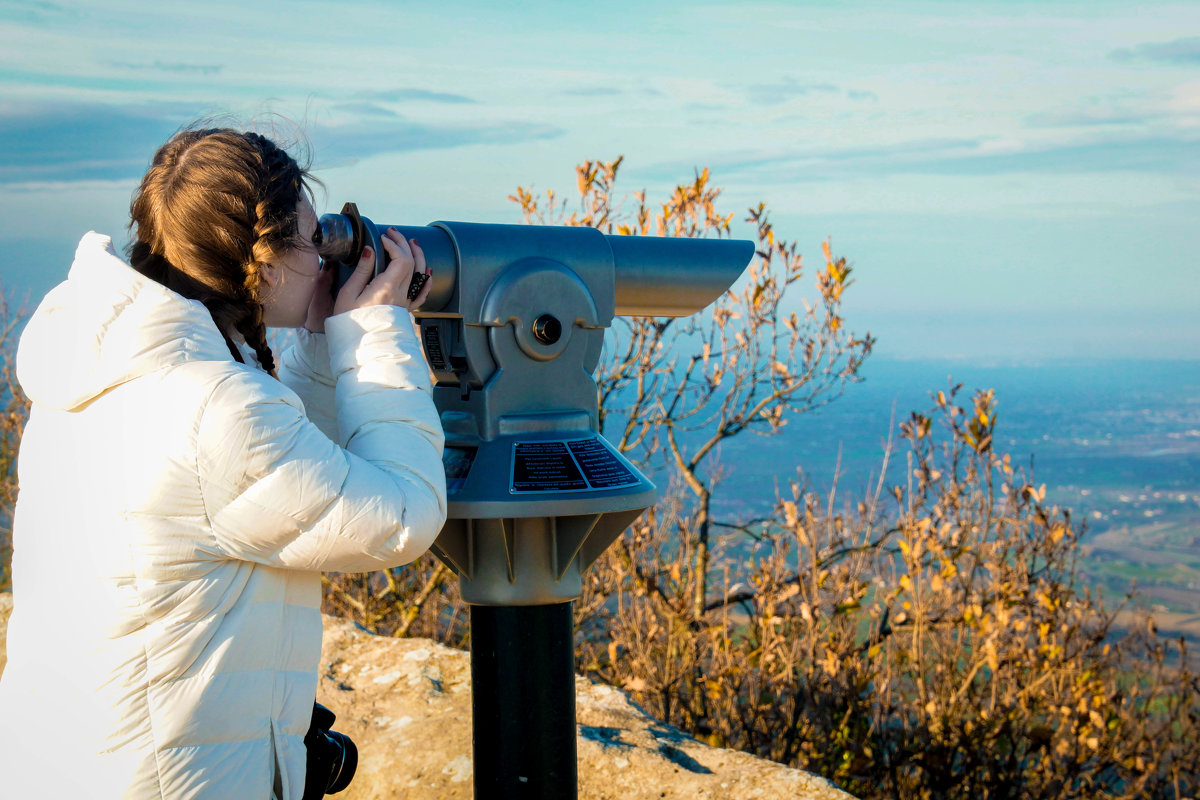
(1117, 442)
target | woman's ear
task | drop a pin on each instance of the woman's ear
(269, 276)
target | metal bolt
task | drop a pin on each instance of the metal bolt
(547, 329)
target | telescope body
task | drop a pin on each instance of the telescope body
(653, 276)
(513, 330)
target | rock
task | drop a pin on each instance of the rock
(407, 705)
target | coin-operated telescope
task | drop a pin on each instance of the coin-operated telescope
(513, 329)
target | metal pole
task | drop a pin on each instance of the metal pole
(523, 702)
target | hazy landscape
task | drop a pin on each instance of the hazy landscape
(1117, 442)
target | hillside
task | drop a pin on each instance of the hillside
(406, 703)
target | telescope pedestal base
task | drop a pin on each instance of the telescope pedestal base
(523, 702)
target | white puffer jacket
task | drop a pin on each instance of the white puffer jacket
(175, 510)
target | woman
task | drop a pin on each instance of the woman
(177, 503)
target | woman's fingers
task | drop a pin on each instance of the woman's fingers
(408, 261)
(349, 295)
(421, 268)
(390, 287)
(418, 256)
(364, 269)
(400, 268)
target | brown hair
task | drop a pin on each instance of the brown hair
(214, 208)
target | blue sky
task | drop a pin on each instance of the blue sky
(1012, 181)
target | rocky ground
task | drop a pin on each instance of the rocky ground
(407, 704)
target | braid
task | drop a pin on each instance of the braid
(252, 328)
(225, 315)
(275, 228)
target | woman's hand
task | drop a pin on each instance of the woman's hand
(390, 287)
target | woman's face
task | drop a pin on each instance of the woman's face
(291, 279)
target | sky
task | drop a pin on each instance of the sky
(1011, 181)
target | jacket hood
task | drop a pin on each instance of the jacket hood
(107, 324)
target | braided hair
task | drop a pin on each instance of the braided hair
(215, 208)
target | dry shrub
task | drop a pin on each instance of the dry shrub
(938, 648)
(420, 599)
(14, 412)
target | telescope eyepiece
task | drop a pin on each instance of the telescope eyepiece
(339, 241)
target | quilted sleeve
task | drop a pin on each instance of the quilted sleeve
(304, 368)
(278, 491)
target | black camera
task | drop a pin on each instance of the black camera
(332, 757)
